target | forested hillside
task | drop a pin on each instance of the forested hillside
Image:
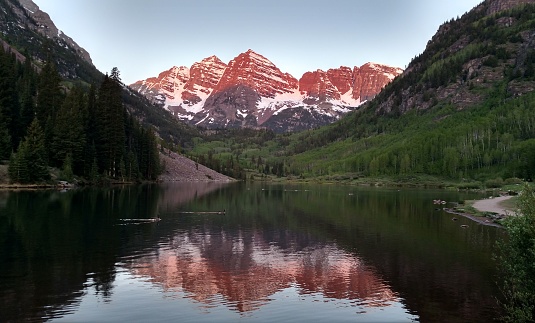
(87, 133)
(58, 110)
(463, 109)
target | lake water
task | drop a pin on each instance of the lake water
(315, 253)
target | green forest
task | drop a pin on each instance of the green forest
(492, 141)
(414, 129)
(84, 131)
(94, 128)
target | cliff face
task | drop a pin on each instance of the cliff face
(496, 6)
(40, 22)
(464, 61)
(371, 78)
(250, 91)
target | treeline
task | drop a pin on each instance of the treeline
(494, 139)
(45, 122)
(227, 166)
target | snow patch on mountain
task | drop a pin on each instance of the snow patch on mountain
(250, 90)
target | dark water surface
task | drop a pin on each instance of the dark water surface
(279, 253)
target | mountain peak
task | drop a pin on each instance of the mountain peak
(212, 58)
(251, 91)
(40, 22)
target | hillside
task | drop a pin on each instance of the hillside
(57, 110)
(181, 169)
(462, 110)
(31, 33)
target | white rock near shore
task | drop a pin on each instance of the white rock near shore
(181, 169)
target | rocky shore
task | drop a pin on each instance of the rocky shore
(492, 205)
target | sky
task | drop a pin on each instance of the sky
(143, 38)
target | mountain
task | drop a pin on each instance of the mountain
(30, 30)
(44, 74)
(463, 109)
(466, 58)
(39, 21)
(250, 91)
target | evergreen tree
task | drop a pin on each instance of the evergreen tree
(49, 96)
(5, 141)
(27, 112)
(68, 134)
(9, 102)
(66, 170)
(110, 127)
(19, 170)
(27, 90)
(49, 99)
(29, 165)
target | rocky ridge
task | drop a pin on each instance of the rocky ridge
(461, 62)
(250, 91)
(40, 21)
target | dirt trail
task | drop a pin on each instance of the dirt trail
(493, 205)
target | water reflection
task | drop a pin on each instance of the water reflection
(248, 270)
(365, 250)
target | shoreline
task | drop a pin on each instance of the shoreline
(477, 219)
(492, 205)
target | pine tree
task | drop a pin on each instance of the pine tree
(5, 141)
(68, 134)
(66, 170)
(49, 99)
(9, 102)
(19, 170)
(49, 96)
(110, 127)
(29, 165)
(27, 90)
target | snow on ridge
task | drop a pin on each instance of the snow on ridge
(30, 11)
(259, 58)
(348, 100)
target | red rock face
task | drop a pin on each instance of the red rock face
(205, 75)
(364, 82)
(258, 73)
(342, 78)
(370, 78)
(317, 85)
(245, 92)
(165, 84)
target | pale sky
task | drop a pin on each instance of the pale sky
(145, 37)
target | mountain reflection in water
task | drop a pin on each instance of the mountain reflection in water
(246, 270)
(280, 253)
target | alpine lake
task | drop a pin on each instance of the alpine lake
(243, 252)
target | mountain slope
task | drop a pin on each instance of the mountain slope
(26, 29)
(250, 91)
(464, 60)
(462, 109)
